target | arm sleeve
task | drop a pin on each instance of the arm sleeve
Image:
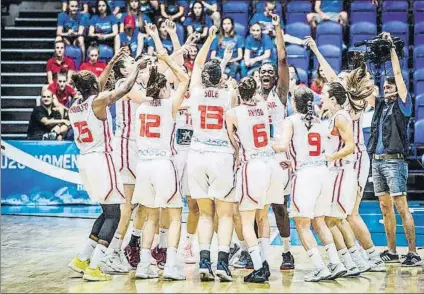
(248, 44)
(406, 107)
(71, 64)
(214, 45)
(253, 19)
(240, 42)
(39, 115)
(187, 22)
(268, 44)
(61, 18)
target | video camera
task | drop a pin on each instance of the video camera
(378, 49)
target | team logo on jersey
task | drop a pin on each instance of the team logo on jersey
(184, 136)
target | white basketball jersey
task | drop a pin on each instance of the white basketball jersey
(184, 127)
(207, 108)
(307, 146)
(358, 134)
(155, 129)
(253, 132)
(335, 142)
(91, 134)
(126, 116)
(277, 112)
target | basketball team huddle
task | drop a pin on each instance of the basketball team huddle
(231, 150)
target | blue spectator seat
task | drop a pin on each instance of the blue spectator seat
(298, 29)
(238, 10)
(418, 11)
(330, 33)
(362, 10)
(260, 7)
(419, 107)
(419, 133)
(395, 10)
(419, 57)
(333, 55)
(105, 53)
(303, 75)
(180, 32)
(419, 82)
(241, 30)
(419, 33)
(361, 31)
(398, 29)
(298, 56)
(74, 52)
(297, 11)
(274, 54)
(403, 62)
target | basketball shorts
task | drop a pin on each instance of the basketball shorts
(101, 178)
(125, 152)
(259, 182)
(156, 184)
(211, 175)
(362, 168)
(310, 196)
(287, 171)
(343, 191)
(180, 161)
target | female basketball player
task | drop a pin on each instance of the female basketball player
(248, 128)
(157, 181)
(210, 163)
(91, 121)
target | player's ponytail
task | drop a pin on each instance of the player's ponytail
(86, 83)
(304, 99)
(156, 82)
(358, 88)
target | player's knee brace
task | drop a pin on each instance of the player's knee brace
(97, 226)
(112, 215)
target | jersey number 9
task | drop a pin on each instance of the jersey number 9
(314, 141)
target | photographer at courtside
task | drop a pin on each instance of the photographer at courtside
(388, 145)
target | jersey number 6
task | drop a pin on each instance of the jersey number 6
(211, 112)
(84, 133)
(314, 140)
(149, 121)
(260, 136)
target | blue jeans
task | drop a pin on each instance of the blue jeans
(389, 176)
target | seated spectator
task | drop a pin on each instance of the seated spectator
(47, 123)
(172, 9)
(155, 10)
(146, 9)
(327, 10)
(265, 19)
(59, 62)
(133, 8)
(319, 81)
(211, 8)
(63, 94)
(197, 21)
(83, 6)
(164, 35)
(189, 59)
(93, 65)
(257, 50)
(71, 26)
(228, 37)
(103, 24)
(130, 37)
(117, 7)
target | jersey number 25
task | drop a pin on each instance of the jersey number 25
(84, 133)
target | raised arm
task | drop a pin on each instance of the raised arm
(283, 67)
(346, 133)
(122, 52)
(228, 53)
(326, 67)
(196, 76)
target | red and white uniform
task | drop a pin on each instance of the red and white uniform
(343, 176)
(96, 165)
(362, 163)
(157, 181)
(310, 195)
(183, 134)
(258, 159)
(210, 163)
(125, 147)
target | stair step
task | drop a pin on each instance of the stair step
(21, 78)
(13, 127)
(21, 89)
(37, 22)
(26, 54)
(14, 136)
(30, 43)
(39, 14)
(34, 32)
(23, 66)
(19, 101)
(16, 114)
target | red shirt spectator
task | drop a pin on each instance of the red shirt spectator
(93, 65)
(59, 62)
(64, 94)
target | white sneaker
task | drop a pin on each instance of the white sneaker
(124, 261)
(352, 272)
(318, 275)
(112, 264)
(174, 273)
(189, 257)
(337, 271)
(362, 264)
(377, 265)
(145, 271)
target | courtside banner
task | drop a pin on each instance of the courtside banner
(40, 173)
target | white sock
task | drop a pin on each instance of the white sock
(265, 248)
(316, 258)
(171, 256)
(145, 256)
(243, 245)
(189, 238)
(137, 232)
(224, 248)
(346, 258)
(232, 244)
(114, 244)
(163, 238)
(87, 250)
(255, 254)
(98, 255)
(333, 257)
(372, 253)
(356, 254)
(286, 245)
(205, 247)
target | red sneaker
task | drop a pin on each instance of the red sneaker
(133, 255)
(159, 254)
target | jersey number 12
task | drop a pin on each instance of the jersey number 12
(149, 121)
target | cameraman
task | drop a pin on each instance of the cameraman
(388, 145)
